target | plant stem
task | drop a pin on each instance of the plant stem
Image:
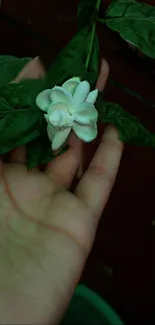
(91, 45)
(98, 3)
(131, 92)
(102, 20)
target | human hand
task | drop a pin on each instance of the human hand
(46, 232)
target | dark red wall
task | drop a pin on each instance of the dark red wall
(121, 266)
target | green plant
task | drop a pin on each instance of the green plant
(21, 122)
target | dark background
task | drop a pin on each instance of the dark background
(121, 266)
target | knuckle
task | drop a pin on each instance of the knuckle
(102, 172)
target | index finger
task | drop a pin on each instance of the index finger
(96, 185)
(32, 70)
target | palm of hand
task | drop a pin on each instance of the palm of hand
(41, 222)
(46, 232)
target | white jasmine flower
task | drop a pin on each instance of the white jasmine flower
(67, 108)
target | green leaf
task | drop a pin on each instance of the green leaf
(4, 108)
(86, 10)
(135, 22)
(129, 127)
(20, 118)
(23, 94)
(39, 152)
(71, 60)
(19, 127)
(10, 66)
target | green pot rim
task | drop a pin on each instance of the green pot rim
(99, 304)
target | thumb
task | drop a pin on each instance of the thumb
(76, 143)
(32, 70)
(103, 75)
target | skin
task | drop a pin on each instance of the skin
(47, 232)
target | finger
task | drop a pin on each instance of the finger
(18, 155)
(78, 146)
(95, 186)
(32, 70)
(103, 76)
(63, 168)
(1, 166)
(76, 143)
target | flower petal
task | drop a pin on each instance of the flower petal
(58, 94)
(81, 92)
(71, 85)
(51, 131)
(55, 117)
(86, 113)
(86, 133)
(60, 118)
(63, 106)
(60, 138)
(46, 118)
(43, 100)
(65, 117)
(92, 96)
